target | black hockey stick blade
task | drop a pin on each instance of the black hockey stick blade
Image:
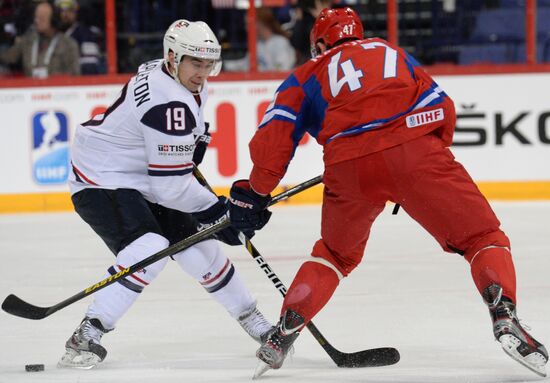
(372, 357)
(16, 306)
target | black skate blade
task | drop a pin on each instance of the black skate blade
(16, 306)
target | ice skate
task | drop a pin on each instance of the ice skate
(83, 348)
(515, 341)
(274, 350)
(255, 324)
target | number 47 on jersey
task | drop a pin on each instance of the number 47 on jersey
(351, 75)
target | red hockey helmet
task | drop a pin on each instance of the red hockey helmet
(333, 25)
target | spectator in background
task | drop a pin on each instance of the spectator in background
(7, 28)
(86, 37)
(274, 50)
(43, 50)
(306, 13)
(15, 17)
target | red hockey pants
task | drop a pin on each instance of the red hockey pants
(434, 189)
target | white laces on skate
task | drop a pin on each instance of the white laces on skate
(254, 323)
(524, 325)
(90, 332)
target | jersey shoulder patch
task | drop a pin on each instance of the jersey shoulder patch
(174, 118)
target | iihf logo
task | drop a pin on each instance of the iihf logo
(50, 154)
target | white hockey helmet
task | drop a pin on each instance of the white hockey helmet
(192, 38)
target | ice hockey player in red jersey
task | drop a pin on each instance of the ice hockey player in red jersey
(385, 127)
(132, 182)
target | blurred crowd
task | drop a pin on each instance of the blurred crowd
(40, 38)
(45, 38)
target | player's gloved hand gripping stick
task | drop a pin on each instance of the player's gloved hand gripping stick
(383, 356)
(214, 214)
(248, 208)
(18, 307)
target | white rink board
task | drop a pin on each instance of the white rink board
(486, 105)
(518, 103)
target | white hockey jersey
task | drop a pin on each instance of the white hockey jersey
(145, 141)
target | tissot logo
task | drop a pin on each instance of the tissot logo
(176, 148)
(207, 50)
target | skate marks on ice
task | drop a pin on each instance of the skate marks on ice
(406, 293)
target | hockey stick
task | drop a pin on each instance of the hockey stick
(383, 356)
(18, 307)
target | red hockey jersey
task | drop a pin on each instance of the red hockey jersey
(355, 99)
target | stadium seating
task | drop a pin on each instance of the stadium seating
(499, 36)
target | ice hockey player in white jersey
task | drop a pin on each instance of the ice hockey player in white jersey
(132, 182)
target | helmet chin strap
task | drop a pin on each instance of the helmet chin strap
(176, 77)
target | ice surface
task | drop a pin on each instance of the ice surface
(407, 293)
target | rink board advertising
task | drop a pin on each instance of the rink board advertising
(502, 137)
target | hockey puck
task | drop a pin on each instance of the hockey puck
(34, 367)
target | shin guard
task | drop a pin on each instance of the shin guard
(311, 289)
(214, 271)
(491, 263)
(112, 302)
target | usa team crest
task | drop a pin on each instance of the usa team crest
(50, 152)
